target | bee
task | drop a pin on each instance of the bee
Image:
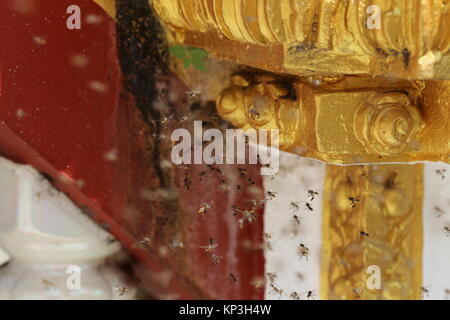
(441, 173)
(122, 290)
(357, 292)
(296, 219)
(312, 194)
(424, 292)
(447, 294)
(294, 206)
(439, 212)
(146, 241)
(267, 237)
(310, 208)
(251, 181)
(295, 296)
(271, 276)
(174, 244)
(212, 168)
(258, 283)
(204, 208)
(232, 277)
(447, 230)
(270, 195)
(193, 94)
(276, 290)
(210, 247)
(236, 209)
(187, 180)
(164, 120)
(47, 284)
(214, 258)
(353, 201)
(256, 203)
(255, 115)
(242, 172)
(310, 295)
(183, 119)
(248, 216)
(110, 240)
(203, 176)
(363, 234)
(303, 251)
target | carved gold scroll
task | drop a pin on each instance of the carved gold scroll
(345, 120)
(319, 37)
(372, 219)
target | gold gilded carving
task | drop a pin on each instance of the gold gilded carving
(320, 37)
(345, 120)
(372, 217)
(387, 124)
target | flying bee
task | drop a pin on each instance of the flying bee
(353, 201)
(251, 181)
(296, 219)
(271, 276)
(204, 208)
(447, 230)
(267, 236)
(214, 258)
(232, 277)
(258, 283)
(242, 172)
(310, 208)
(47, 284)
(203, 175)
(295, 296)
(294, 206)
(441, 172)
(439, 212)
(447, 294)
(270, 195)
(210, 247)
(254, 114)
(310, 295)
(212, 168)
(187, 180)
(363, 234)
(146, 241)
(276, 290)
(183, 119)
(121, 290)
(236, 210)
(174, 244)
(303, 251)
(312, 194)
(424, 292)
(357, 292)
(193, 94)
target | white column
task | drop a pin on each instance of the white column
(289, 222)
(56, 252)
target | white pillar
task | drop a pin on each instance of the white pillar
(56, 252)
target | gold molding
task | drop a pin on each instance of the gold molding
(372, 215)
(344, 120)
(319, 37)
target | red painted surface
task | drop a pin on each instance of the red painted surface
(61, 110)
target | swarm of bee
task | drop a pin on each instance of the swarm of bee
(302, 251)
